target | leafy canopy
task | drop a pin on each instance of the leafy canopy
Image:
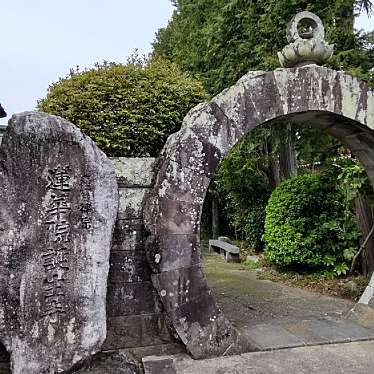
(221, 40)
(128, 110)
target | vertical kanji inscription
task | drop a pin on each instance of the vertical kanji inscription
(57, 258)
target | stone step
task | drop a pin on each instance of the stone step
(353, 357)
(275, 336)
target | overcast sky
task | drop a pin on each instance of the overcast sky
(42, 39)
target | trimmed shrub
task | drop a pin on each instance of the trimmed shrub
(128, 110)
(306, 225)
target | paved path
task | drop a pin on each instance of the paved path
(289, 333)
(276, 316)
(353, 358)
(248, 301)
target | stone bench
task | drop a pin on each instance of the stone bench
(231, 252)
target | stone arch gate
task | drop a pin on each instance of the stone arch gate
(338, 103)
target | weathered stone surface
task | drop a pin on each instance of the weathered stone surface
(308, 47)
(178, 251)
(128, 267)
(137, 331)
(125, 299)
(112, 363)
(180, 286)
(128, 235)
(197, 320)
(172, 213)
(58, 199)
(134, 172)
(131, 203)
(2, 131)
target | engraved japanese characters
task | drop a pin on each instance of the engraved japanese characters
(58, 200)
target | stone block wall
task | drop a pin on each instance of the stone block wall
(134, 311)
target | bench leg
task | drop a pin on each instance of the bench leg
(232, 257)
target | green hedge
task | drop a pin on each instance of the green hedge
(128, 110)
(306, 225)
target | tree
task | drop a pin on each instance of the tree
(358, 194)
(220, 40)
(364, 5)
(128, 110)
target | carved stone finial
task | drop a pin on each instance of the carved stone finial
(306, 36)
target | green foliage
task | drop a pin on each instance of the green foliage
(242, 182)
(251, 265)
(350, 287)
(305, 226)
(352, 179)
(220, 40)
(128, 110)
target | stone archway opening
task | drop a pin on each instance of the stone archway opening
(253, 306)
(340, 104)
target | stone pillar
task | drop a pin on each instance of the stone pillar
(134, 312)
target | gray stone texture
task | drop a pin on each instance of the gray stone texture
(307, 47)
(319, 96)
(142, 330)
(58, 198)
(112, 363)
(135, 315)
(357, 358)
(2, 131)
(134, 172)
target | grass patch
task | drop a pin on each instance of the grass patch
(349, 287)
(251, 265)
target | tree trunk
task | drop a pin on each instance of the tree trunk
(273, 166)
(287, 159)
(364, 216)
(215, 217)
(274, 178)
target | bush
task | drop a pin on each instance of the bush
(128, 110)
(306, 226)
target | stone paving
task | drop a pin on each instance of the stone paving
(295, 331)
(355, 358)
(275, 316)
(248, 301)
(282, 334)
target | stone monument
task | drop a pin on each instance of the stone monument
(58, 200)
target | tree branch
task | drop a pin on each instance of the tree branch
(363, 245)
